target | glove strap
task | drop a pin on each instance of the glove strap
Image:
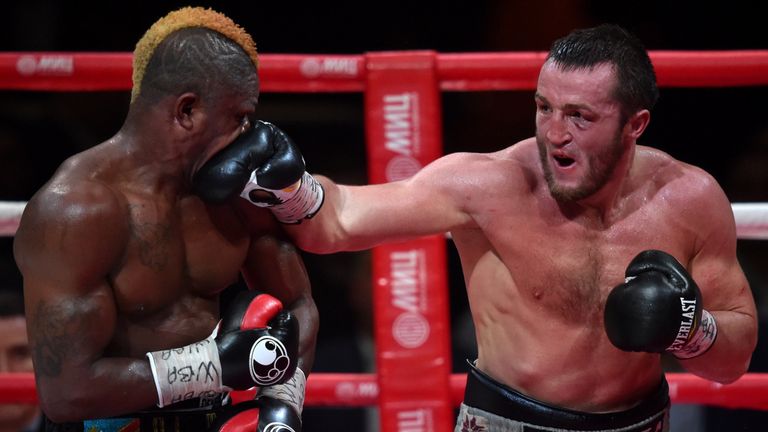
(291, 205)
(291, 392)
(188, 372)
(702, 339)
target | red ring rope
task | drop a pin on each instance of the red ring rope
(62, 71)
(356, 390)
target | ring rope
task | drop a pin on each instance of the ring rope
(69, 71)
(751, 219)
(360, 390)
(10, 215)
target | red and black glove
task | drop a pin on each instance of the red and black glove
(264, 414)
(255, 344)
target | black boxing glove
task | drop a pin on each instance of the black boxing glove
(658, 309)
(255, 344)
(265, 167)
(261, 415)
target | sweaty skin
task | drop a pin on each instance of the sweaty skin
(119, 258)
(538, 269)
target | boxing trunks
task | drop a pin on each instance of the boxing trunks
(490, 406)
(194, 415)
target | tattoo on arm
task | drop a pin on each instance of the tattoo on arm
(55, 331)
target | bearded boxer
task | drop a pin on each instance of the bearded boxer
(585, 255)
(124, 265)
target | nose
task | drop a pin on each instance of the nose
(557, 131)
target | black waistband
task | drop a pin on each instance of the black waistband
(487, 394)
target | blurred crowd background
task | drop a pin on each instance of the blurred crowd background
(723, 130)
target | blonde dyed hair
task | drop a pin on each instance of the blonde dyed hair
(186, 17)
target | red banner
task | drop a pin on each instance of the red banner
(402, 101)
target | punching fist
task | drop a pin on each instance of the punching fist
(255, 344)
(265, 167)
(658, 308)
(261, 415)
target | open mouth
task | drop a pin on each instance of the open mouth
(563, 161)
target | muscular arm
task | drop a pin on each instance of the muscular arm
(725, 291)
(274, 266)
(360, 217)
(68, 241)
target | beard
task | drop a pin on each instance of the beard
(600, 168)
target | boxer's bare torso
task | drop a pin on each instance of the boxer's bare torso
(537, 270)
(119, 261)
(165, 256)
(537, 277)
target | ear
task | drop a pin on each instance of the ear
(637, 123)
(187, 110)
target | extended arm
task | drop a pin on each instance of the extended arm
(334, 217)
(359, 217)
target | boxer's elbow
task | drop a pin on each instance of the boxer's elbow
(740, 366)
(79, 399)
(732, 373)
(742, 357)
(62, 406)
(731, 370)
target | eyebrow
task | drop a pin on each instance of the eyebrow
(569, 106)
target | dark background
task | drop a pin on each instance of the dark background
(725, 131)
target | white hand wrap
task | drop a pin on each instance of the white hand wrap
(700, 342)
(188, 372)
(290, 205)
(291, 392)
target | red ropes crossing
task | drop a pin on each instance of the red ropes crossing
(60, 71)
(324, 389)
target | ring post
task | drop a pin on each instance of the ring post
(403, 131)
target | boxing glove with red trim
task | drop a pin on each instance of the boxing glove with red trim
(265, 167)
(264, 414)
(658, 309)
(255, 344)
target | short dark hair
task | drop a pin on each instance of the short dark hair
(199, 60)
(608, 43)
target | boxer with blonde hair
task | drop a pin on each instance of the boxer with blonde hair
(124, 265)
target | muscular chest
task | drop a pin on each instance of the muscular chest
(565, 268)
(176, 253)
